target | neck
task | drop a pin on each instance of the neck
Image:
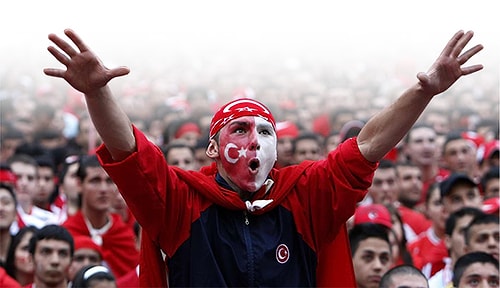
(96, 218)
(439, 232)
(429, 172)
(39, 284)
(24, 278)
(5, 239)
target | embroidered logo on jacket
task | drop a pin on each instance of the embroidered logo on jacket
(282, 254)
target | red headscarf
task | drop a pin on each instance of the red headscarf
(239, 108)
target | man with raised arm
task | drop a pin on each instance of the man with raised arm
(240, 222)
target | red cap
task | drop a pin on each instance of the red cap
(187, 127)
(490, 148)
(8, 177)
(491, 206)
(82, 242)
(239, 108)
(373, 213)
(286, 128)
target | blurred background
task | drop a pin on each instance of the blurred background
(354, 54)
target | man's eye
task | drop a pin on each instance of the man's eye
(265, 132)
(239, 130)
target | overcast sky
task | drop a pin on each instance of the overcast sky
(122, 30)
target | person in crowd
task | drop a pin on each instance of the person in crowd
(476, 269)
(200, 156)
(51, 249)
(410, 184)
(385, 189)
(186, 130)
(19, 264)
(8, 216)
(421, 148)
(243, 144)
(455, 227)
(490, 183)
(180, 154)
(459, 190)
(371, 253)
(47, 179)
(400, 242)
(120, 207)
(307, 146)
(68, 187)
(286, 132)
(483, 234)
(387, 216)
(25, 168)
(86, 253)
(404, 276)
(409, 180)
(10, 139)
(332, 140)
(459, 155)
(490, 159)
(94, 276)
(429, 249)
(95, 219)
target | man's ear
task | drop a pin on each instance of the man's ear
(212, 149)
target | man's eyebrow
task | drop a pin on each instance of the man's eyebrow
(238, 122)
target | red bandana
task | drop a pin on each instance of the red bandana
(239, 108)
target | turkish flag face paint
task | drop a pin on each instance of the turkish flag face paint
(247, 147)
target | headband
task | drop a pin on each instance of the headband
(94, 270)
(239, 108)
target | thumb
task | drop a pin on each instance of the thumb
(119, 71)
(423, 78)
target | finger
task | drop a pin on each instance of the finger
(471, 69)
(469, 53)
(54, 72)
(120, 71)
(461, 43)
(423, 78)
(451, 44)
(76, 39)
(63, 45)
(58, 55)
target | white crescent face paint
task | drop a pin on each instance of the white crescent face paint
(248, 146)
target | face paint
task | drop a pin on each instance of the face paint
(248, 151)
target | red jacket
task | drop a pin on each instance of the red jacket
(321, 196)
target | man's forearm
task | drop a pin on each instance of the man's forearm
(111, 122)
(384, 130)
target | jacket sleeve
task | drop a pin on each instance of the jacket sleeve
(330, 190)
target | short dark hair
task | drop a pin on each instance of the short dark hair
(52, 231)
(86, 162)
(386, 280)
(468, 259)
(483, 218)
(364, 231)
(451, 221)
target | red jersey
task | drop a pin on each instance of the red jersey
(428, 252)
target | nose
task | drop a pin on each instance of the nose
(254, 141)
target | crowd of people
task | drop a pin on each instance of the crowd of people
(425, 191)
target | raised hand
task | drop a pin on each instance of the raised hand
(448, 66)
(84, 70)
